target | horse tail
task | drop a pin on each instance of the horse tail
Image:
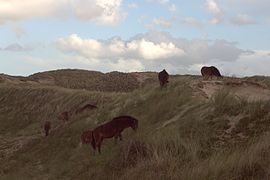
(93, 142)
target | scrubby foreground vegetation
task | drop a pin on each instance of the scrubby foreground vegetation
(186, 131)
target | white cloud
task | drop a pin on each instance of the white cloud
(85, 47)
(15, 47)
(166, 3)
(260, 7)
(163, 1)
(246, 64)
(79, 62)
(14, 10)
(152, 51)
(133, 5)
(111, 13)
(213, 8)
(242, 19)
(100, 11)
(19, 31)
(167, 23)
(162, 22)
(117, 48)
(247, 11)
(130, 65)
(189, 21)
(256, 63)
(172, 7)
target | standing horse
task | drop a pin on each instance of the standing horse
(163, 77)
(114, 129)
(47, 127)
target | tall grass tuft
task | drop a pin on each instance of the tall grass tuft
(224, 102)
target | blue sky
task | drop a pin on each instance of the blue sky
(128, 35)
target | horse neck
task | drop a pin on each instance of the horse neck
(128, 124)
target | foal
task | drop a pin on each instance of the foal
(64, 116)
(85, 107)
(87, 137)
(114, 129)
(47, 127)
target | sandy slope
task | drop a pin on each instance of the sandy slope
(251, 90)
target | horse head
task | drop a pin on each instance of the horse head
(134, 124)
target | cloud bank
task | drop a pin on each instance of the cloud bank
(157, 50)
(100, 11)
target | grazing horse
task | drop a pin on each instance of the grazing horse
(114, 129)
(210, 71)
(64, 116)
(87, 137)
(85, 107)
(47, 127)
(163, 77)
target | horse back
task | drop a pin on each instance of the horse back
(108, 130)
(113, 127)
(210, 71)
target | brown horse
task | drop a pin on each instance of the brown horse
(64, 116)
(114, 129)
(85, 107)
(87, 137)
(47, 127)
(163, 77)
(210, 71)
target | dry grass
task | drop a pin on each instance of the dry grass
(224, 102)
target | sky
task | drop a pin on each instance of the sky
(142, 35)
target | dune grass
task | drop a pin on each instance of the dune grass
(180, 136)
(89, 80)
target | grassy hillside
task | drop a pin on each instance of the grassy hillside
(182, 134)
(89, 80)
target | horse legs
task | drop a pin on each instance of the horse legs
(93, 144)
(99, 144)
(115, 139)
(96, 141)
(120, 136)
(165, 84)
(46, 132)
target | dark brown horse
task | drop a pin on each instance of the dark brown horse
(85, 107)
(47, 127)
(87, 137)
(210, 71)
(163, 77)
(114, 129)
